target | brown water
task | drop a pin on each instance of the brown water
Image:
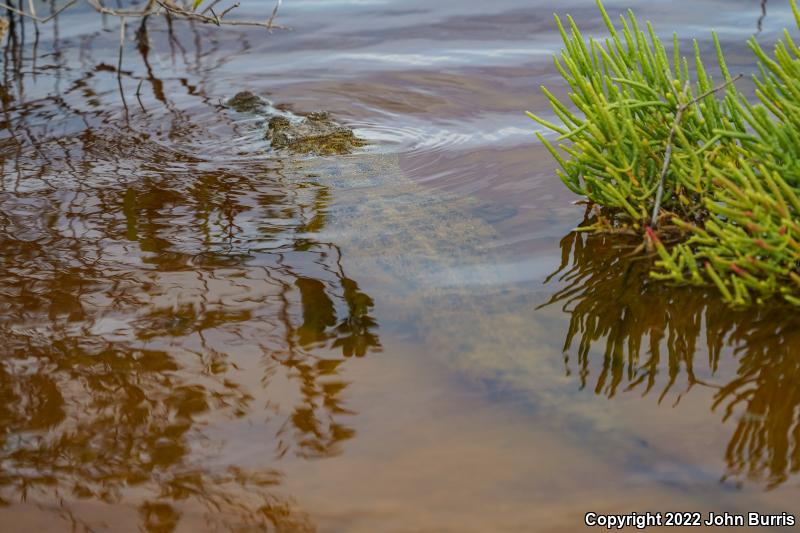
(201, 334)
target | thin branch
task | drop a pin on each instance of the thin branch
(119, 66)
(152, 7)
(33, 15)
(100, 8)
(231, 8)
(189, 15)
(139, 95)
(210, 7)
(762, 17)
(274, 14)
(671, 139)
(121, 45)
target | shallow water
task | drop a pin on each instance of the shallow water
(202, 334)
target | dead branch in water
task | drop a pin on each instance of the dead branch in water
(33, 16)
(763, 16)
(170, 8)
(671, 139)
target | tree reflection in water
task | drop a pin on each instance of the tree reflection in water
(142, 284)
(649, 335)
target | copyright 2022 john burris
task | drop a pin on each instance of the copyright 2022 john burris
(687, 519)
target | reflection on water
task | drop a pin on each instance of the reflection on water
(631, 334)
(150, 298)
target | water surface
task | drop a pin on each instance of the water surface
(202, 334)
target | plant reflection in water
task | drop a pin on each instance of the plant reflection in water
(141, 288)
(632, 334)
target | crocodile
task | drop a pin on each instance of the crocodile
(427, 258)
(428, 244)
(427, 253)
(316, 133)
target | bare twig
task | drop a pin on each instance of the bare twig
(119, 66)
(121, 45)
(216, 18)
(231, 8)
(33, 14)
(189, 15)
(274, 14)
(152, 7)
(32, 9)
(210, 7)
(139, 95)
(100, 8)
(671, 139)
(763, 16)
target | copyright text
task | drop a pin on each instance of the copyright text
(687, 519)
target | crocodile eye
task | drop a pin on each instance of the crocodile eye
(278, 122)
(318, 116)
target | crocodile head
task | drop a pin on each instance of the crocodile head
(317, 133)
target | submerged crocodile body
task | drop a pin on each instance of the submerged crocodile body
(425, 252)
(426, 258)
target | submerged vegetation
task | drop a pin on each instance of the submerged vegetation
(709, 179)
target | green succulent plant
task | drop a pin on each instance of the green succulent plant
(647, 130)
